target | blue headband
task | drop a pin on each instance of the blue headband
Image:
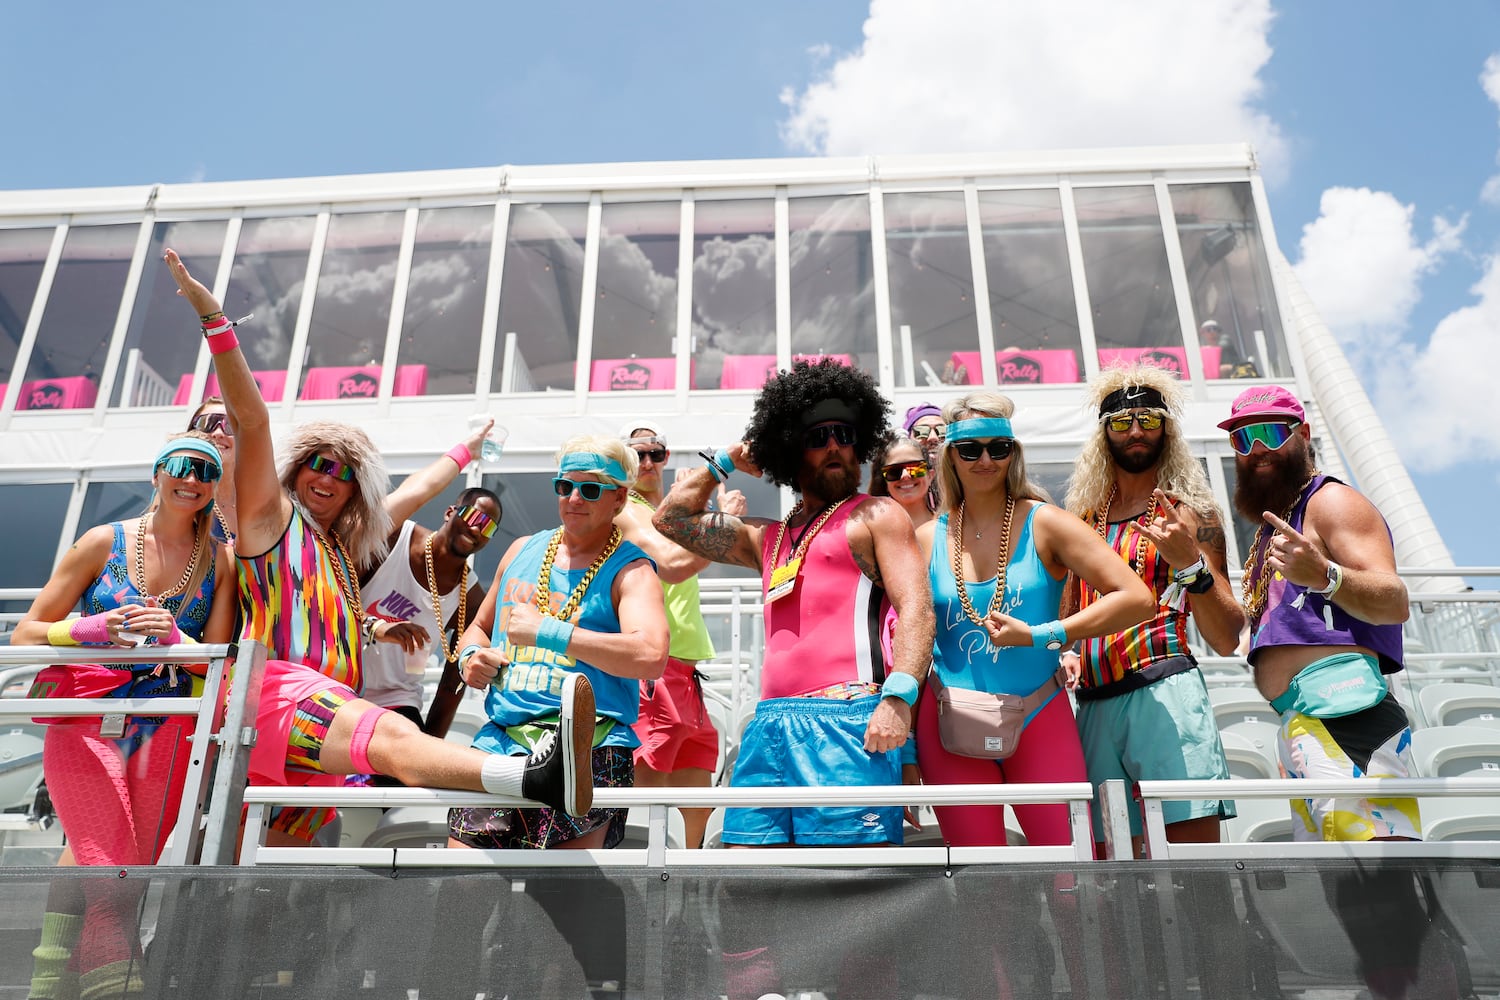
(979, 427)
(592, 461)
(199, 445)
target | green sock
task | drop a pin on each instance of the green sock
(59, 934)
(122, 978)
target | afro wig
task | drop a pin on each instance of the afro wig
(785, 409)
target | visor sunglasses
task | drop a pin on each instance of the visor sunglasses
(1273, 435)
(478, 520)
(1149, 420)
(657, 455)
(892, 473)
(817, 437)
(179, 466)
(590, 491)
(210, 422)
(342, 471)
(996, 448)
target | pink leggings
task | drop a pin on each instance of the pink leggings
(115, 810)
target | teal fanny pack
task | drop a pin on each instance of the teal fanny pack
(1334, 686)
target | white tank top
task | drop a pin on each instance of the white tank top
(392, 678)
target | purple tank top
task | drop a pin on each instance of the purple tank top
(1319, 622)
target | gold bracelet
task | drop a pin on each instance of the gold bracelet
(211, 317)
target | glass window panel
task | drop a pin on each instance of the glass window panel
(762, 499)
(161, 342)
(78, 319)
(1130, 288)
(540, 295)
(445, 297)
(1244, 530)
(1229, 278)
(23, 254)
(635, 315)
(527, 506)
(1032, 308)
(1052, 477)
(353, 306)
(269, 272)
(29, 531)
(734, 285)
(833, 279)
(104, 503)
(932, 286)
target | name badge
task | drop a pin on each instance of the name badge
(783, 579)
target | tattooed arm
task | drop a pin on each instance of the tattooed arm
(684, 518)
(1217, 613)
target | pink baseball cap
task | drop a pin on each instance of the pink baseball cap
(1263, 401)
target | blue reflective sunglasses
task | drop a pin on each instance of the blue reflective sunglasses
(1272, 434)
(590, 491)
(180, 466)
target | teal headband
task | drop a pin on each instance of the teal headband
(592, 461)
(976, 428)
(199, 445)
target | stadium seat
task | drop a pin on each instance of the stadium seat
(1251, 749)
(1259, 821)
(1240, 704)
(1460, 704)
(1453, 751)
(411, 826)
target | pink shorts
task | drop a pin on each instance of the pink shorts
(674, 728)
(297, 705)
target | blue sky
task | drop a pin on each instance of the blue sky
(1374, 125)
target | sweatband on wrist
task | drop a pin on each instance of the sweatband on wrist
(723, 462)
(553, 635)
(221, 341)
(1052, 631)
(898, 685)
(1175, 596)
(712, 465)
(61, 634)
(90, 630)
(461, 454)
(173, 637)
(466, 652)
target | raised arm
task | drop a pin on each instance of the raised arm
(424, 485)
(1343, 527)
(684, 518)
(263, 508)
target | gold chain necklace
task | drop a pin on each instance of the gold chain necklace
(437, 601)
(956, 545)
(1101, 525)
(641, 497)
(140, 564)
(219, 514)
(806, 540)
(544, 578)
(1255, 585)
(338, 555)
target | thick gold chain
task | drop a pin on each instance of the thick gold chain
(348, 586)
(140, 563)
(219, 514)
(1255, 585)
(1101, 525)
(956, 545)
(807, 536)
(544, 578)
(449, 655)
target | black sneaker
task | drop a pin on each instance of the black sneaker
(559, 773)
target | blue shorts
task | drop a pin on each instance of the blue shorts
(808, 742)
(1164, 731)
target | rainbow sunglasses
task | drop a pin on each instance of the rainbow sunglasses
(1273, 434)
(342, 471)
(477, 520)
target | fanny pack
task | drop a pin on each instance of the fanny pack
(94, 680)
(984, 725)
(1334, 686)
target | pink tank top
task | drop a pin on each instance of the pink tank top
(827, 630)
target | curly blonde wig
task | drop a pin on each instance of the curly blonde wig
(983, 403)
(364, 525)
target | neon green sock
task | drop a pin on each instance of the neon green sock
(50, 958)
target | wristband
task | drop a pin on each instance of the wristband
(724, 463)
(1202, 585)
(712, 466)
(466, 652)
(898, 685)
(211, 318)
(61, 633)
(90, 630)
(1187, 580)
(221, 339)
(1050, 635)
(461, 454)
(1335, 580)
(553, 635)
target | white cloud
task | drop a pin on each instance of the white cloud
(1489, 79)
(1362, 263)
(957, 75)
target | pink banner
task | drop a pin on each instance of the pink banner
(272, 387)
(1021, 367)
(76, 392)
(361, 382)
(750, 371)
(632, 374)
(1172, 359)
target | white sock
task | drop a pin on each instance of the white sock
(501, 775)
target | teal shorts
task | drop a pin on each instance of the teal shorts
(1164, 731)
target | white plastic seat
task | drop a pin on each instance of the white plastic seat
(1460, 704)
(1240, 704)
(20, 765)
(1250, 748)
(1259, 821)
(1452, 751)
(411, 826)
(1469, 817)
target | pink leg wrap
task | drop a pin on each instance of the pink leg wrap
(359, 743)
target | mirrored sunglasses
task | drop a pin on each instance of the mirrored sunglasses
(892, 473)
(590, 491)
(477, 519)
(657, 455)
(342, 471)
(178, 467)
(817, 437)
(920, 433)
(1149, 420)
(1273, 435)
(996, 448)
(210, 422)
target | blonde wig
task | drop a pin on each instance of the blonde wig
(203, 522)
(983, 403)
(1178, 473)
(364, 525)
(611, 448)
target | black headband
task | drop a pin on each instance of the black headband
(1129, 398)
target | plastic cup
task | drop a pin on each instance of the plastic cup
(494, 442)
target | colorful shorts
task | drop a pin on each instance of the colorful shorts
(808, 742)
(1375, 743)
(489, 829)
(674, 728)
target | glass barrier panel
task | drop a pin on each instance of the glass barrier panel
(352, 311)
(445, 298)
(833, 280)
(104, 503)
(161, 342)
(78, 318)
(23, 254)
(34, 514)
(536, 346)
(1234, 303)
(734, 292)
(932, 287)
(266, 283)
(1032, 308)
(635, 312)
